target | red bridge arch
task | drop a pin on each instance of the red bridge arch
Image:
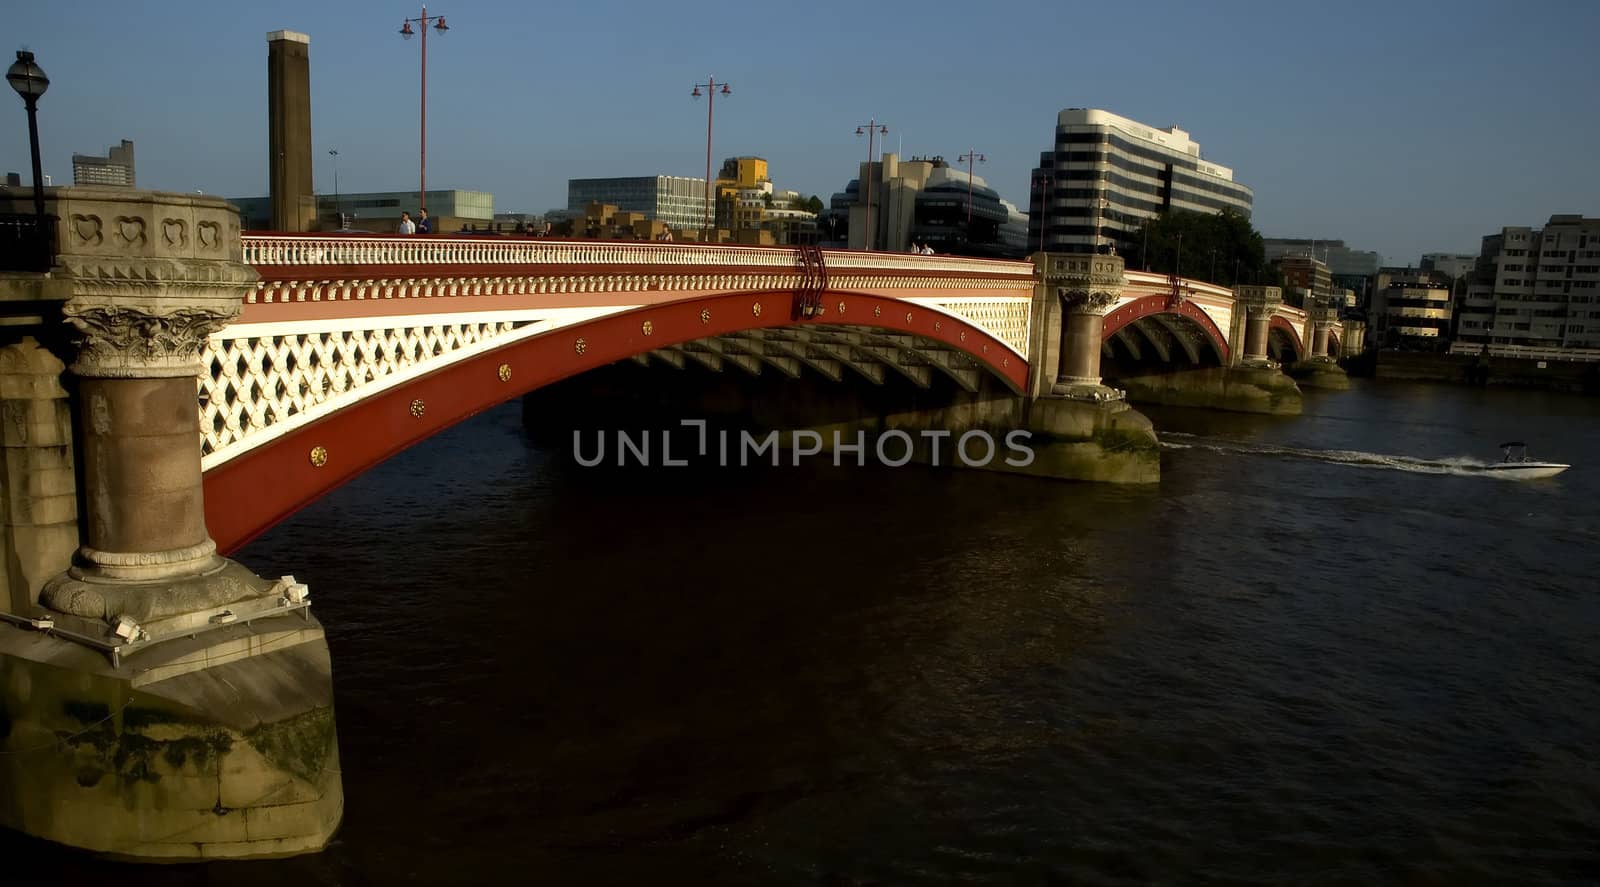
(1149, 306)
(255, 490)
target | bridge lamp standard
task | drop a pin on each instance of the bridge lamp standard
(969, 158)
(29, 81)
(406, 32)
(871, 129)
(338, 206)
(711, 87)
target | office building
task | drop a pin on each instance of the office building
(925, 201)
(1306, 281)
(1536, 288)
(379, 212)
(116, 168)
(678, 201)
(1411, 309)
(1107, 175)
(1451, 265)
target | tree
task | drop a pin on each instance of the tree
(813, 204)
(1222, 248)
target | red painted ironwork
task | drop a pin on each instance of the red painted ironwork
(1163, 304)
(254, 491)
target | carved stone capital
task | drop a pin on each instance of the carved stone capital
(1078, 301)
(119, 341)
(1324, 315)
(1258, 299)
(147, 276)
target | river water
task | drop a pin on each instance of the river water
(1318, 652)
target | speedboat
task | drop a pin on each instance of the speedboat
(1517, 466)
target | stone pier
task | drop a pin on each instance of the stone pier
(1252, 384)
(1320, 368)
(157, 701)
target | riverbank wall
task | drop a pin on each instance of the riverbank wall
(1465, 369)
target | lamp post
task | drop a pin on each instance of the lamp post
(29, 81)
(338, 206)
(873, 129)
(711, 86)
(406, 32)
(1043, 181)
(968, 158)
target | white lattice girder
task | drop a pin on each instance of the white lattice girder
(1006, 319)
(262, 380)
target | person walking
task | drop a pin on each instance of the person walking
(406, 225)
(424, 224)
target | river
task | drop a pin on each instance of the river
(1317, 652)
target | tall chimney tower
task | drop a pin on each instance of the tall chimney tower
(289, 130)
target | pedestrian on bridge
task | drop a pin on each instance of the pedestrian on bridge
(424, 224)
(406, 225)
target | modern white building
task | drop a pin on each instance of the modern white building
(1536, 288)
(1108, 174)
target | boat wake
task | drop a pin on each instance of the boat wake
(1457, 465)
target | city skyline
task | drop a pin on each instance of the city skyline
(1349, 147)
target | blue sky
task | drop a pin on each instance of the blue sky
(1402, 126)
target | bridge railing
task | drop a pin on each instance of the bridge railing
(264, 250)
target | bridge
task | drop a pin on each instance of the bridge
(351, 348)
(171, 387)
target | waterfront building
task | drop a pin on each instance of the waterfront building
(925, 200)
(1108, 175)
(1348, 268)
(1306, 281)
(116, 168)
(678, 201)
(1536, 292)
(1412, 308)
(450, 210)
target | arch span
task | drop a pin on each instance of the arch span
(1153, 306)
(1282, 333)
(260, 487)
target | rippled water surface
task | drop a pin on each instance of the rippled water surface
(1318, 652)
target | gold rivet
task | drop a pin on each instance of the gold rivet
(908, 317)
(963, 335)
(505, 372)
(877, 310)
(985, 347)
(1005, 362)
(581, 345)
(841, 307)
(417, 408)
(319, 456)
(756, 309)
(936, 326)
(647, 327)
(705, 315)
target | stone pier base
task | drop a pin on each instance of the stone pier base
(1238, 389)
(219, 746)
(1320, 373)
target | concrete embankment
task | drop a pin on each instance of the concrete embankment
(1465, 369)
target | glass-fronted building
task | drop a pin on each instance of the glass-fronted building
(378, 210)
(678, 201)
(1108, 174)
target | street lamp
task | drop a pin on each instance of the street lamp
(338, 206)
(29, 81)
(873, 129)
(1043, 181)
(710, 85)
(406, 32)
(968, 158)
